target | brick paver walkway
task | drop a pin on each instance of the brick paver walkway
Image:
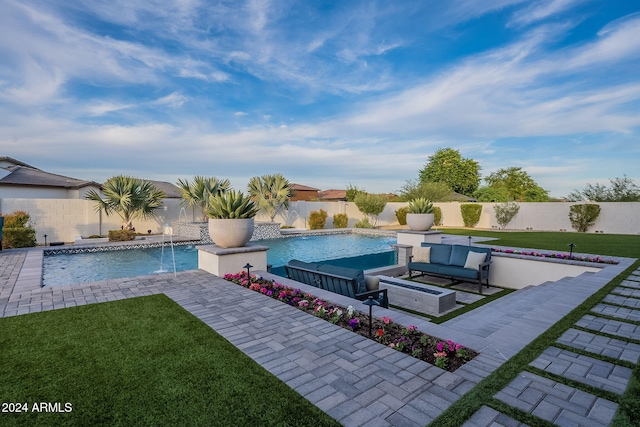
(357, 381)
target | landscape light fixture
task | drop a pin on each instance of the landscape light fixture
(571, 246)
(469, 240)
(370, 302)
(45, 239)
(248, 267)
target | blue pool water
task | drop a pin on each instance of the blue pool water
(346, 250)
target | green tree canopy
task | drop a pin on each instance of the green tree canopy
(128, 197)
(622, 190)
(434, 191)
(271, 193)
(448, 166)
(517, 184)
(371, 204)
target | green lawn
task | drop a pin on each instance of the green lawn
(139, 361)
(597, 244)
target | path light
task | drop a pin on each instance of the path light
(571, 246)
(248, 267)
(469, 240)
(370, 302)
(45, 239)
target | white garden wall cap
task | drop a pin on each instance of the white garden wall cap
(553, 256)
(217, 250)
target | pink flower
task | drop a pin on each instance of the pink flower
(386, 320)
(440, 346)
(412, 328)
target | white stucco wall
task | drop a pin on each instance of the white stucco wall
(63, 219)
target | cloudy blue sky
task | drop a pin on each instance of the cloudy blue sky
(329, 93)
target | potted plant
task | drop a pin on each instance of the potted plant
(231, 219)
(420, 214)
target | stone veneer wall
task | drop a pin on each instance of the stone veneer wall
(200, 231)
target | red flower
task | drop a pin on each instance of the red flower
(380, 332)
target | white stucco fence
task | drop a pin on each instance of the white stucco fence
(64, 219)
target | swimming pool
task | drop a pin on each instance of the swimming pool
(65, 269)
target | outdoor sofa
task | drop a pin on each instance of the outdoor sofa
(466, 263)
(349, 282)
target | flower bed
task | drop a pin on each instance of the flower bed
(557, 255)
(442, 353)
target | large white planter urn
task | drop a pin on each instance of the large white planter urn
(419, 222)
(231, 233)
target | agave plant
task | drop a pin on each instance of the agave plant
(420, 206)
(231, 205)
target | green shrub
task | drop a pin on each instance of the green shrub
(121, 235)
(340, 220)
(317, 219)
(18, 237)
(371, 204)
(437, 215)
(401, 214)
(505, 212)
(17, 219)
(583, 216)
(95, 236)
(231, 205)
(363, 223)
(470, 213)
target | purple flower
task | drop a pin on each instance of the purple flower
(353, 323)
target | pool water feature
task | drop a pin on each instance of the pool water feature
(349, 250)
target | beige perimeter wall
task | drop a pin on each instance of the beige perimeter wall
(64, 219)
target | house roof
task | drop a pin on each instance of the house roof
(332, 195)
(170, 190)
(27, 175)
(300, 187)
(13, 162)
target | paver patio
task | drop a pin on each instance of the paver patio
(357, 381)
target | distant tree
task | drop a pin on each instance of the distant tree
(622, 190)
(518, 185)
(435, 191)
(197, 192)
(352, 192)
(491, 194)
(128, 197)
(271, 193)
(448, 166)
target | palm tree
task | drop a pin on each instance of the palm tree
(197, 193)
(271, 193)
(130, 198)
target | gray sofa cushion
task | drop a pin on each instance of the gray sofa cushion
(440, 254)
(346, 272)
(459, 272)
(302, 264)
(458, 255)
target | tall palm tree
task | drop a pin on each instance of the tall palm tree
(197, 193)
(130, 198)
(271, 193)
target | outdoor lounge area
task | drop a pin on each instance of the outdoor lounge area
(499, 331)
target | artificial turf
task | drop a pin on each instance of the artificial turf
(138, 361)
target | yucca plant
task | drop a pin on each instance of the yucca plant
(231, 205)
(420, 206)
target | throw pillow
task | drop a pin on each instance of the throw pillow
(421, 254)
(474, 259)
(372, 282)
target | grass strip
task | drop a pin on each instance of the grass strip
(602, 357)
(621, 245)
(138, 361)
(606, 334)
(468, 404)
(518, 414)
(619, 319)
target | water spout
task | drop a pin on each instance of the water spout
(167, 231)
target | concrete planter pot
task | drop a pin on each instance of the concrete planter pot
(231, 233)
(420, 222)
